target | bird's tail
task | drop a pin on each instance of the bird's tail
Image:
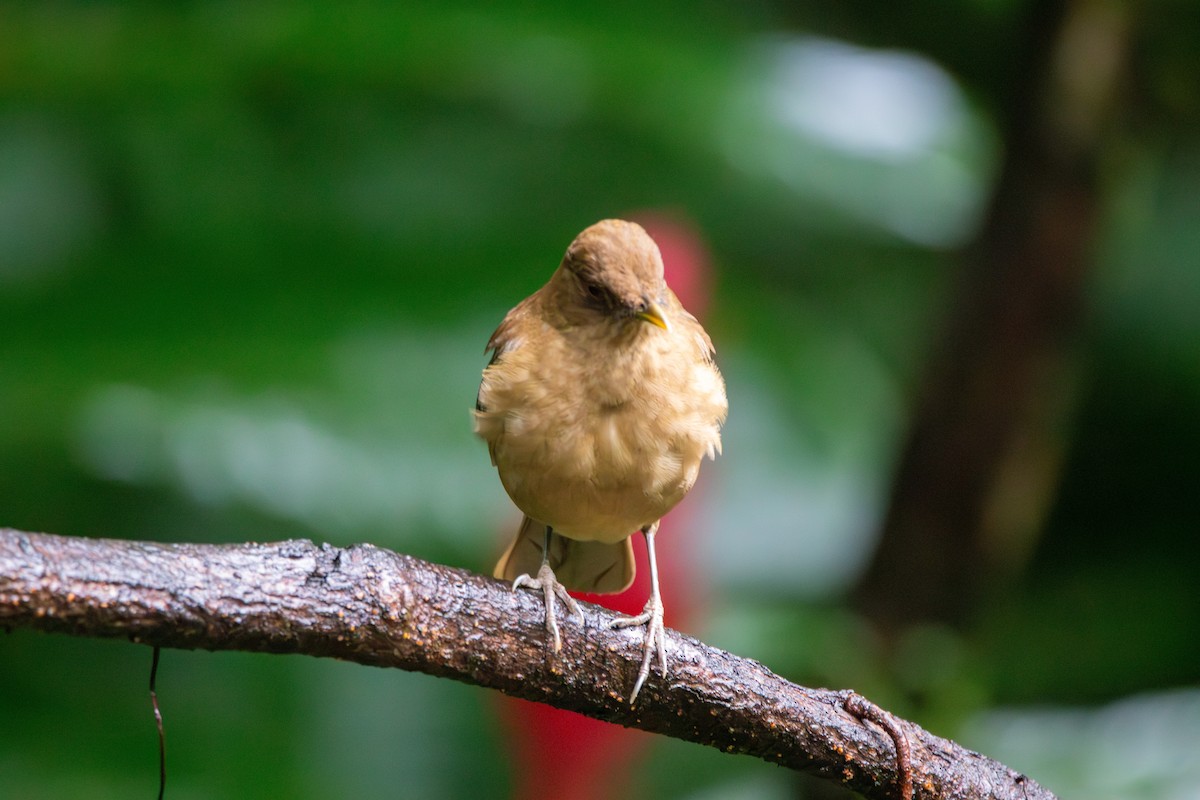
(596, 567)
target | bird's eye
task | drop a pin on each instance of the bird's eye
(595, 293)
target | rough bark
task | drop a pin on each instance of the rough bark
(373, 606)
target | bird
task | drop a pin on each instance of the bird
(601, 399)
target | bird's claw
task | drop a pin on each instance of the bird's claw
(654, 641)
(550, 587)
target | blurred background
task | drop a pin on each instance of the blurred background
(250, 254)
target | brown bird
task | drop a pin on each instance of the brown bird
(599, 403)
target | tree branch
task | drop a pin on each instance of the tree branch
(377, 607)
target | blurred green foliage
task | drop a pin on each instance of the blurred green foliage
(250, 253)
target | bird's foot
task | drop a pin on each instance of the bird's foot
(550, 587)
(655, 640)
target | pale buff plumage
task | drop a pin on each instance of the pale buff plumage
(599, 404)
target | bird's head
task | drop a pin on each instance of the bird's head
(613, 273)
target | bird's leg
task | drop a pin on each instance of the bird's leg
(550, 587)
(651, 617)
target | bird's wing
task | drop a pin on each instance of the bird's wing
(503, 340)
(691, 327)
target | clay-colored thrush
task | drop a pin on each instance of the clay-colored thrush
(599, 403)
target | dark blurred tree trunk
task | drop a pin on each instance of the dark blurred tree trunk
(981, 460)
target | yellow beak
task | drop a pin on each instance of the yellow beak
(655, 316)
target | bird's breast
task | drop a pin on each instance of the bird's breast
(598, 450)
